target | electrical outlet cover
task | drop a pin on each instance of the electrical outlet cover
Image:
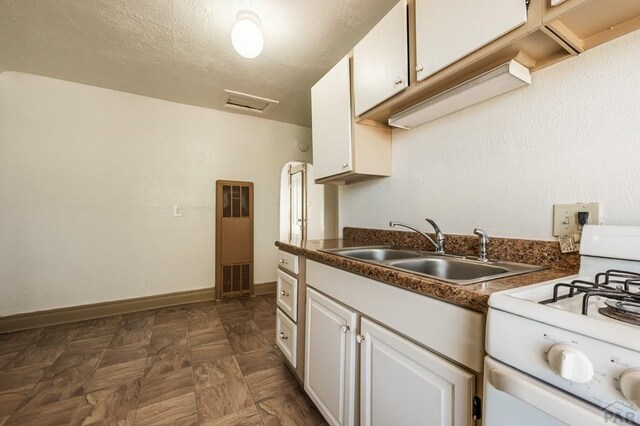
(565, 217)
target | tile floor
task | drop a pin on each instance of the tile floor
(199, 364)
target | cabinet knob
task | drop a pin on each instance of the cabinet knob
(345, 328)
(283, 261)
(284, 293)
(282, 336)
(359, 338)
(345, 165)
(398, 80)
(419, 68)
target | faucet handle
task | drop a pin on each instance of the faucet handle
(435, 226)
(480, 233)
(484, 241)
(439, 236)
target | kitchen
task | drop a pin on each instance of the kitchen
(112, 136)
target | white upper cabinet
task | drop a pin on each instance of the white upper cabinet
(381, 60)
(449, 30)
(344, 151)
(331, 121)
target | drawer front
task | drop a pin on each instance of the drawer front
(287, 294)
(288, 261)
(286, 336)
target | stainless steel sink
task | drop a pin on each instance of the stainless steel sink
(451, 269)
(454, 269)
(379, 254)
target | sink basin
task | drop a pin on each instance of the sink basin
(378, 254)
(453, 269)
(450, 269)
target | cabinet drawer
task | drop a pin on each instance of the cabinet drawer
(288, 261)
(287, 294)
(286, 336)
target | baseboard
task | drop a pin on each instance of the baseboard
(264, 288)
(104, 309)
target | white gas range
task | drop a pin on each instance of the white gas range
(568, 351)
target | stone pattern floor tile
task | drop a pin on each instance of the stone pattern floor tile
(198, 364)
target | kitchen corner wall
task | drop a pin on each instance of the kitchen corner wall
(88, 180)
(572, 136)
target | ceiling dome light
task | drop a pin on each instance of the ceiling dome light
(246, 35)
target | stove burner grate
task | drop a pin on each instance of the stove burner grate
(623, 304)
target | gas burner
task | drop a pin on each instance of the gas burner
(622, 310)
(625, 306)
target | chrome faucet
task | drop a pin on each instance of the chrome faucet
(484, 241)
(438, 243)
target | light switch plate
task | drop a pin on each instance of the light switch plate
(565, 217)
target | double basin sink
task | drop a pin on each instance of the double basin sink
(453, 269)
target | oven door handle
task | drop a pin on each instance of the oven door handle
(567, 409)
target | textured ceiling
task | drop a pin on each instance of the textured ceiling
(180, 50)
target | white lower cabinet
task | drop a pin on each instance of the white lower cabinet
(363, 367)
(402, 383)
(330, 358)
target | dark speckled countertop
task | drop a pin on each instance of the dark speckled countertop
(474, 296)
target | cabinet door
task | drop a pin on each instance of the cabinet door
(330, 358)
(381, 61)
(402, 383)
(331, 122)
(449, 30)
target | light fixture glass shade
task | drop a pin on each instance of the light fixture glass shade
(246, 37)
(497, 81)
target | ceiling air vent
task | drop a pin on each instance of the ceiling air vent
(249, 103)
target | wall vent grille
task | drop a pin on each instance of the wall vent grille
(250, 103)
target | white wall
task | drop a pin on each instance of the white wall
(88, 179)
(572, 136)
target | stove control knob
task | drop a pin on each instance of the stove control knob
(570, 363)
(630, 385)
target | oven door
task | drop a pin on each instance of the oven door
(514, 398)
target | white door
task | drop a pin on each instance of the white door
(296, 186)
(449, 30)
(402, 383)
(381, 61)
(331, 121)
(330, 360)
